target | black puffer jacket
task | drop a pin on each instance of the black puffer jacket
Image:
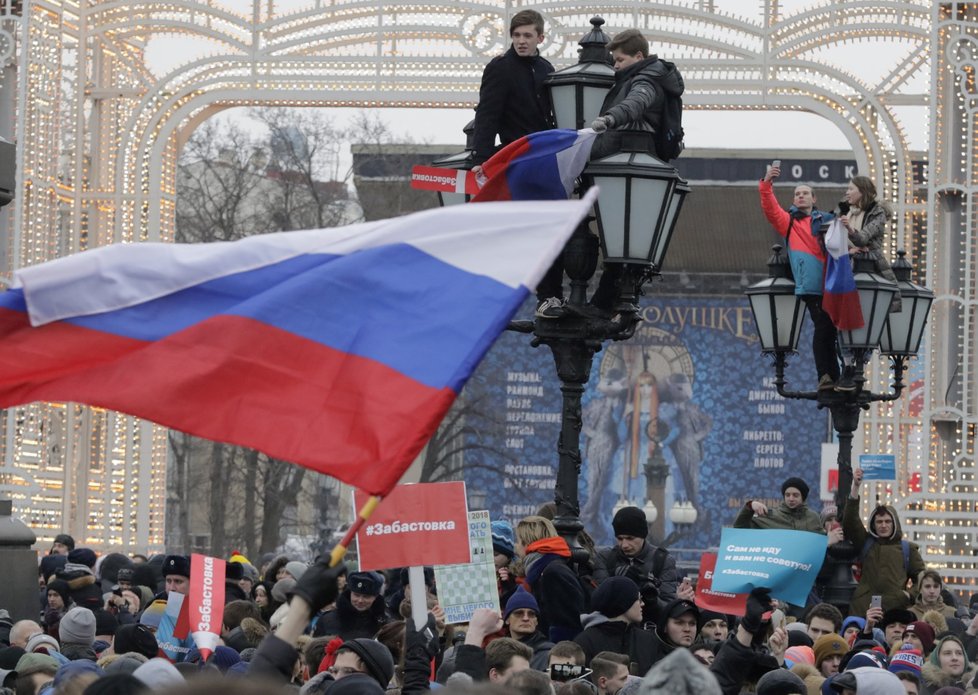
(635, 102)
(512, 101)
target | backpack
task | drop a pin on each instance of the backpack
(668, 136)
(870, 541)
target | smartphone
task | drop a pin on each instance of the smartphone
(776, 163)
(777, 618)
(876, 601)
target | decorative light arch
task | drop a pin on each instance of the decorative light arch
(99, 135)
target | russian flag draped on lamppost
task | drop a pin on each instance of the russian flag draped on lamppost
(337, 349)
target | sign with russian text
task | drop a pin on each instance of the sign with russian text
(418, 524)
(206, 601)
(445, 180)
(464, 588)
(710, 599)
(786, 562)
(171, 634)
(878, 466)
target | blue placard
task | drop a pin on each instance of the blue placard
(878, 466)
(786, 562)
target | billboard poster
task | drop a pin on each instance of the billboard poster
(685, 411)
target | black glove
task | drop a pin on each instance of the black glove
(632, 572)
(758, 603)
(317, 586)
(426, 640)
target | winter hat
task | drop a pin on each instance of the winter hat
(630, 521)
(867, 680)
(781, 682)
(678, 607)
(50, 564)
(223, 658)
(158, 674)
(77, 627)
(126, 574)
(368, 583)
(829, 645)
(935, 655)
(153, 614)
(798, 484)
(83, 556)
(248, 571)
(43, 643)
(9, 656)
(924, 632)
(105, 622)
(233, 571)
(61, 587)
(125, 663)
(614, 596)
(89, 597)
(829, 511)
(65, 540)
(521, 598)
(503, 539)
(799, 655)
(869, 659)
(110, 565)
(907, 659)
(77, 668)
(136, 638)
(355, 684)
(30, 664)
(897, 615)
(706, 616)
(116, 684)
(176, 564)
(375, 657)
(679, 674)
(296, 569)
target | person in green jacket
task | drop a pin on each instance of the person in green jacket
(886, 565)
(792, 514)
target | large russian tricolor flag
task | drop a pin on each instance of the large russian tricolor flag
(840, 299)
(539, 166)
(338, 349)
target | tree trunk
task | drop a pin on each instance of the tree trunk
(248, 539)
(217, 510)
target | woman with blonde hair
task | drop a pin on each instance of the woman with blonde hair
(550, 578)
(866, 222)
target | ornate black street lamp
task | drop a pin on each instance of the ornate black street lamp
(639, 201)
(778, 313)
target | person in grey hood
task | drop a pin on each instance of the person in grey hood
(679, 674)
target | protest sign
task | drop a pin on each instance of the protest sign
(878, 466)
(710, 599)
(171, 634)
(206, 601)
(419, 524)
(786, 562)
(464, 588)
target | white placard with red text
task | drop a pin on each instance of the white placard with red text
(206, 598)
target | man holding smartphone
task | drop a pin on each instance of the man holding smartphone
(801, 226)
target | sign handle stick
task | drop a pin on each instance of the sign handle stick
(336, 555)
(419, 598)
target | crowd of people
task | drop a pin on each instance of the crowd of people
(574, 620)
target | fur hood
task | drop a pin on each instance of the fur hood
(812, 676)
(937, 621)
(934, 678)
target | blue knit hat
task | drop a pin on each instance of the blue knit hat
(521, 599)
(503, 538)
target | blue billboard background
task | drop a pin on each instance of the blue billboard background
(689, 394)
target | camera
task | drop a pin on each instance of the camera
(844, 207)
(561, 673)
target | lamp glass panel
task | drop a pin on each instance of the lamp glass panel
(921, 312)
(896, 332)
(648, 197)
(564, 103)
(451, 198)
(611, 204)
(593, 99)
(760, 305)
(665, 234)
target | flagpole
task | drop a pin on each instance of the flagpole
(336, 555)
